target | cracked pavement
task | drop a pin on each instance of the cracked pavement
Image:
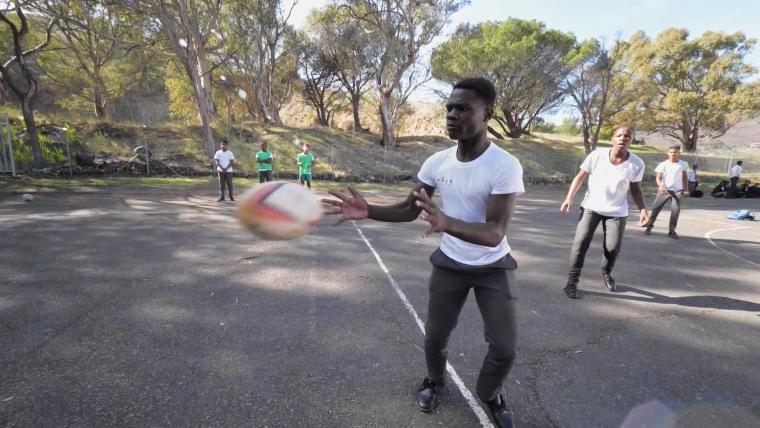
(146, 307)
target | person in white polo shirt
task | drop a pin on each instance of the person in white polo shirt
(733, 175)
(479, 183)
(672, 184)
(611, 173)
(224, 160)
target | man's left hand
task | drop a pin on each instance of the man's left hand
(432, 214)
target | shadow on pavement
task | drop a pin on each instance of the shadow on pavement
(704, 301)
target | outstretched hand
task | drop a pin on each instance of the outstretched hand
(350, 206)
(431, 213)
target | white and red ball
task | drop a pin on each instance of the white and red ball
(279, 210)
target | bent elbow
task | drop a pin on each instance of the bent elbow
(495, 240)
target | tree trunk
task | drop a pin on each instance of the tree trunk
(515, 132)
(513, 127)
(586, 138)
(230, 111)
(204, 113)
(355, 104)
(690, 143)
(262, 105)
(495, 133)
(100, 106)
(276, 116)
(389, 137)
(323, 117)
(100, 94)
(27, 109)
(595, 139)
(688, 137)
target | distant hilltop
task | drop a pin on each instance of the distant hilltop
(745, 134)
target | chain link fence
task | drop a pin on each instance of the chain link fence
(541, 165)
(714, 162)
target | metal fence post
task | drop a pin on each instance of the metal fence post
(147, 159)
(68, 152)
(10, 144)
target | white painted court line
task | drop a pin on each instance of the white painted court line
(709, 234)
(471, 401)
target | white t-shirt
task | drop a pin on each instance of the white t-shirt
(465, 188)
(691, 175)
(224, 159)
(608, 184)
(736, 171)
(672, 174)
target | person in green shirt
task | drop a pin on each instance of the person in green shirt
(264, 159)
(305, 160)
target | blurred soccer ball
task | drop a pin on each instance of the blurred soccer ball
(28, 197)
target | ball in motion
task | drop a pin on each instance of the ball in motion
(279, 210)
(27, 197)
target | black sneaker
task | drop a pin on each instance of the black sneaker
(231, 198)
(220, 199)
(609, 281)
(427, 397)
(500, 413)
(648, 231)
(673, 234)
(572, 291)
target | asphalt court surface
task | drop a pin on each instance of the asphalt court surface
(149, 307)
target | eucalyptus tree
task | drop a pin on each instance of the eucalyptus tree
(263, 51)
(403, 28)
(96, 53)
(18, 70)
(191, 31)
(598, 87)
(350, 48)
(321, 86)
(691, 88)
(526, 62)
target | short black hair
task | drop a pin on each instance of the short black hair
(738, 162)
(224, 141)
(482, 87)
(675, 147)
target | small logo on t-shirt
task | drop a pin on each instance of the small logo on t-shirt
(444, 180)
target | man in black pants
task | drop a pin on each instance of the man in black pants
(479, 183)
(224, 159)
(611, 172)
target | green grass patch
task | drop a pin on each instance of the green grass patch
(52, 184)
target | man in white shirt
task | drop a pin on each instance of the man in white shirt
(612, 172)
(224, 159)
(479, 183)
(672, 183)
(733, 175)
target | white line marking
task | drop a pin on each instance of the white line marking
(471, 401)
(709, 239)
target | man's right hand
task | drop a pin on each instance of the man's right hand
(350, 206)
(565, 207)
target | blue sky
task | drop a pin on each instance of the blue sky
(608, 19)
